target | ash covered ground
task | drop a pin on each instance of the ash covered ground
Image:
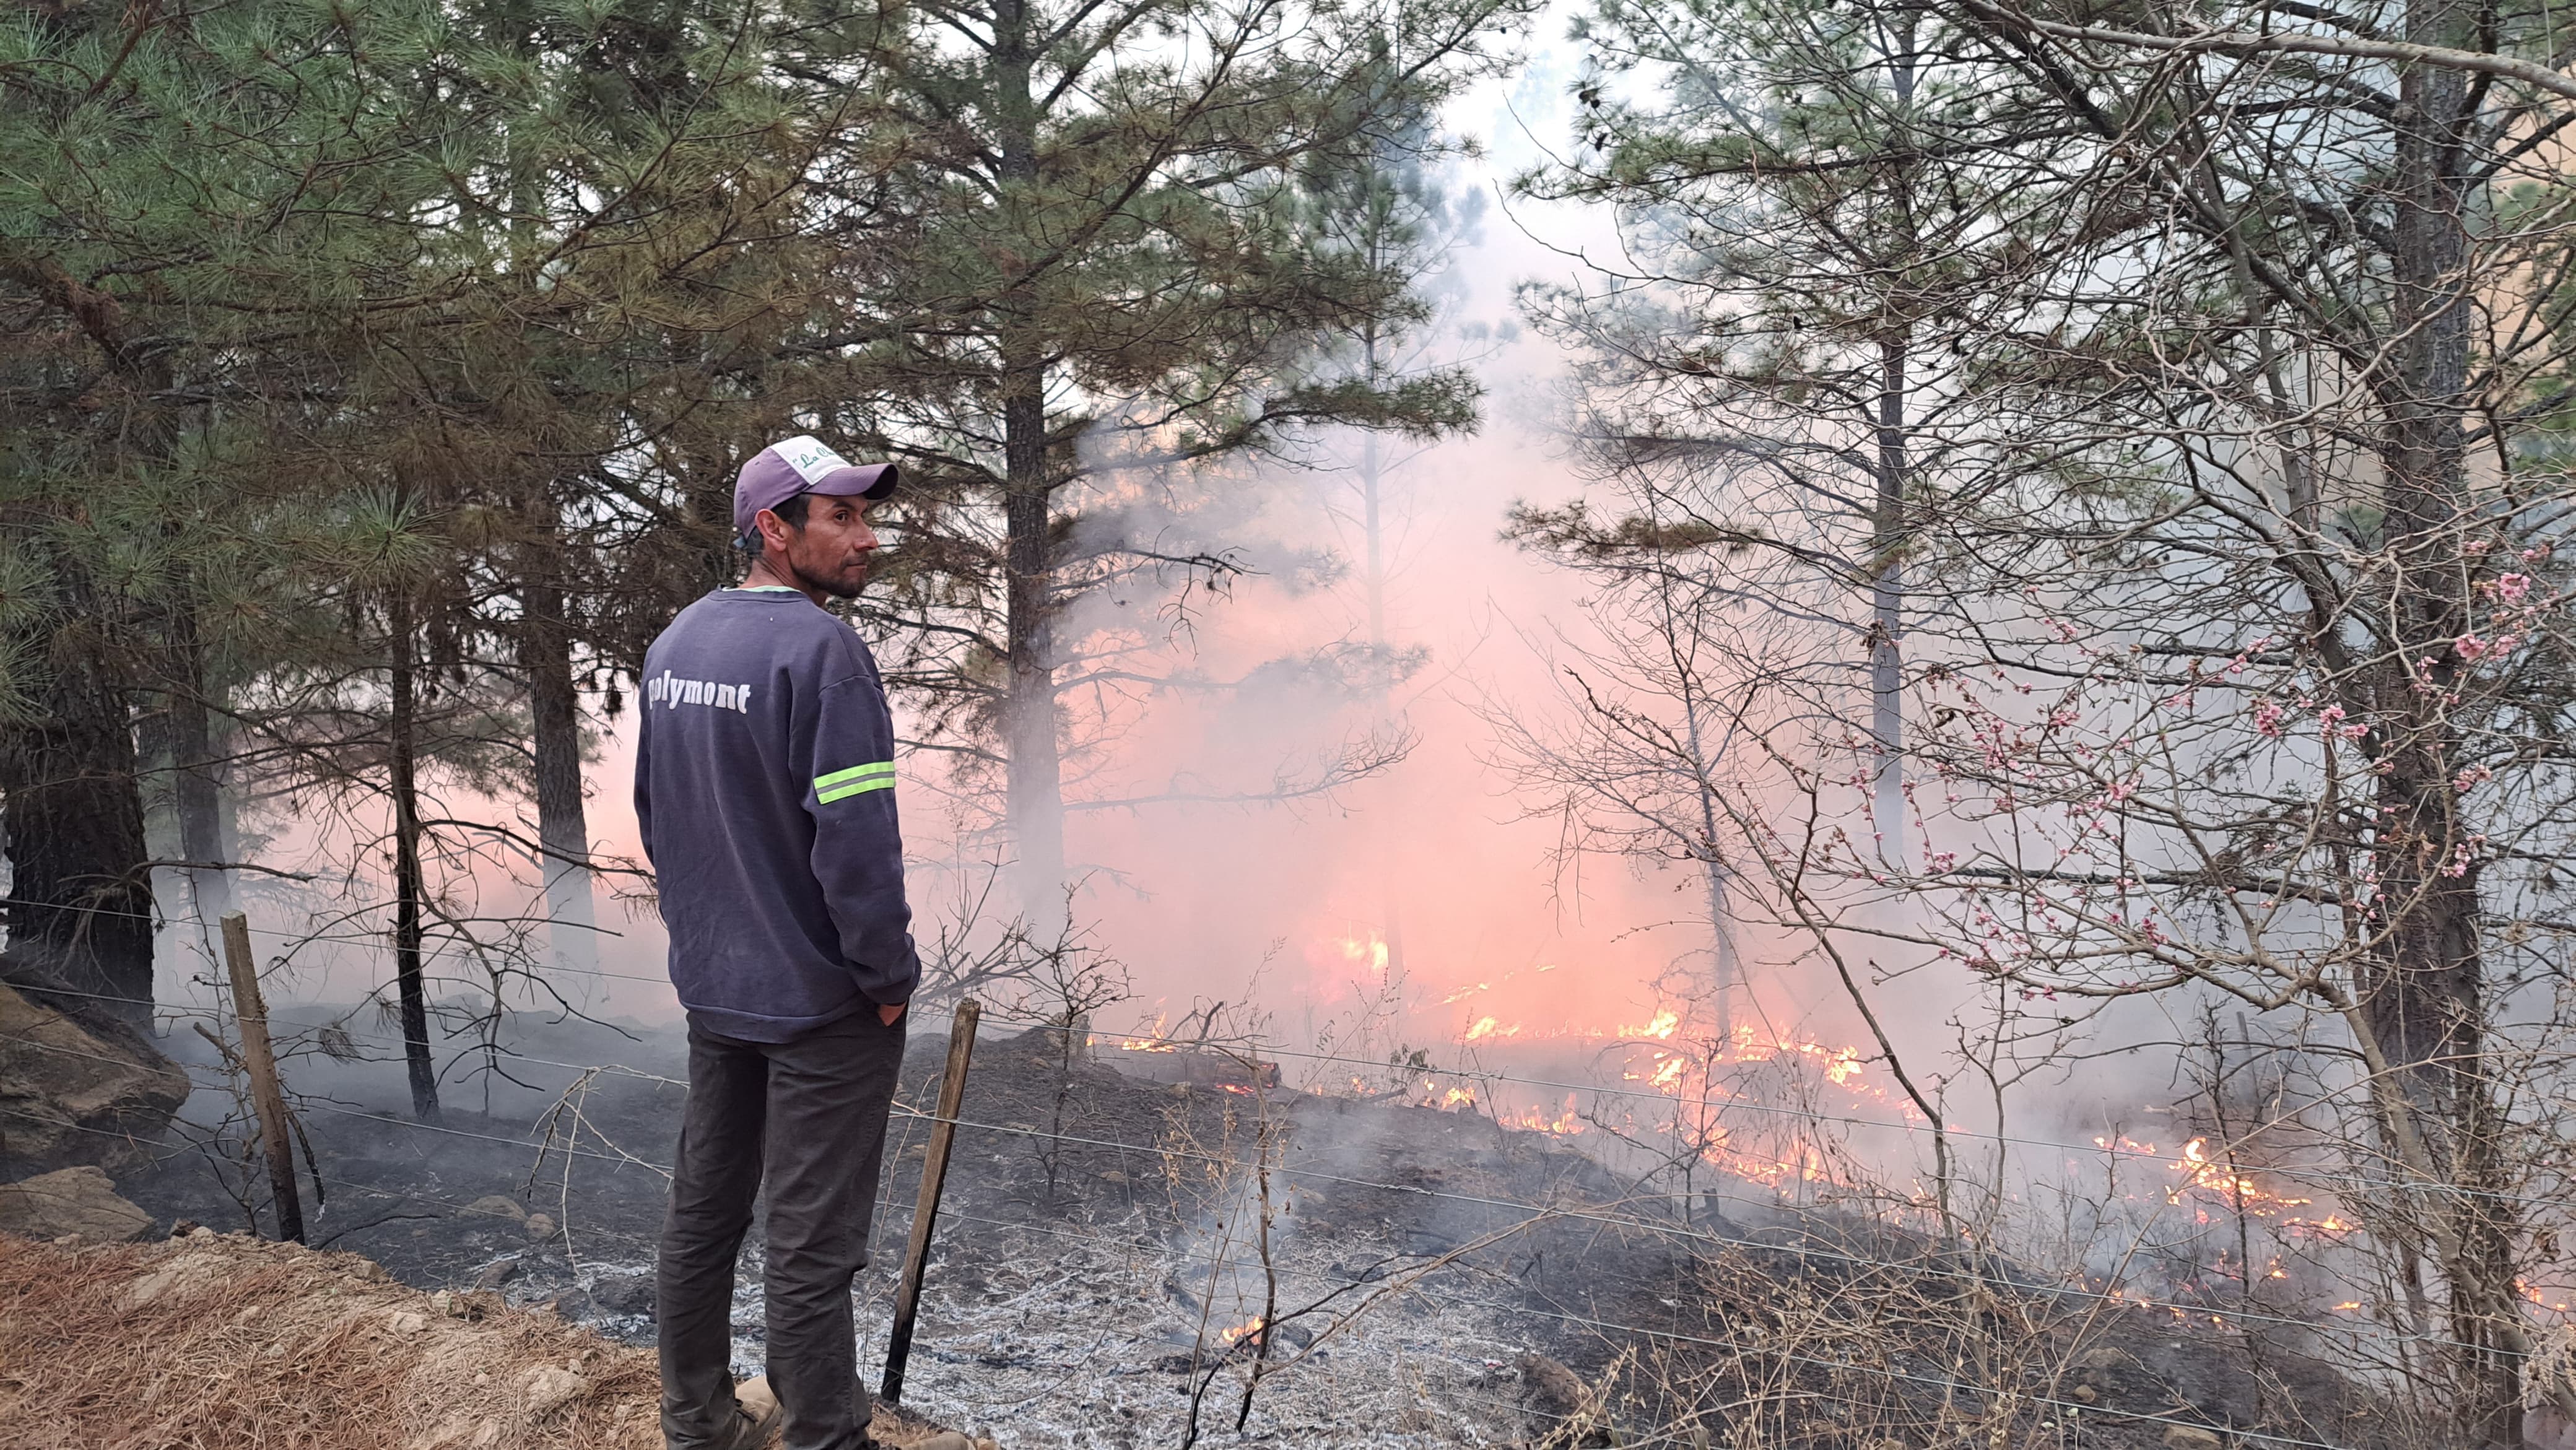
(1433, 1279)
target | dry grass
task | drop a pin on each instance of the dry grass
(227, 1343)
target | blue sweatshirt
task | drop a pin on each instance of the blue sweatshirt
(764, 783)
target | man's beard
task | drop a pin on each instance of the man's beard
(832, 587)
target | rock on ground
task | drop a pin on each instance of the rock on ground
(78, 1089)
(221, 1342)
(493, 1205)
(78, 1201)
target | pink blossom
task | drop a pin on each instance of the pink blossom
(2267, 718)
(2512, 586)
(2469, 646)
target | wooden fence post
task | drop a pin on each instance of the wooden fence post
(925, 1212)
(250, 1014)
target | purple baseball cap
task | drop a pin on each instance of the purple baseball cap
(797, 465)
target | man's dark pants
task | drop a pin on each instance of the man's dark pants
(810, 1117)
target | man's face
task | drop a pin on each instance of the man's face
(831, 552)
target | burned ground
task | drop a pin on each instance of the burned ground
(1440, 1279)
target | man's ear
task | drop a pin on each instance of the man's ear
(773, 531)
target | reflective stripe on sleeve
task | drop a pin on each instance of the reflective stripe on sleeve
(854, 781)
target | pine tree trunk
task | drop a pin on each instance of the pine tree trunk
(1887, 600)
(80, 898)
(2423, 997)
(1887, 514)
(1035, 784)
(410, 989)
(563, 827)
(1374, 529)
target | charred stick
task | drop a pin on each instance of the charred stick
(925, 1214)
(250, 1015)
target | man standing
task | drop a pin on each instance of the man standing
(764, 776)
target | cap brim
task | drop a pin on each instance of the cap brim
(868, 481)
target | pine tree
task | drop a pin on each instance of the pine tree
(497, 272)
(1109, 274)
(1809, 206)
(161, 171)
(2231, 543)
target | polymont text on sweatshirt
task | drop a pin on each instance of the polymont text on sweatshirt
(764, 783)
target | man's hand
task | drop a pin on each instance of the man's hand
(891, 1015)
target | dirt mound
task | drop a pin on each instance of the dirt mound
(217, 1342)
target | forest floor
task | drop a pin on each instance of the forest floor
(1433, 1278)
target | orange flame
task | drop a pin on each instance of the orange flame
(1566, 1124)
(1371, 949)
(1151, 1039)
(2236, 1191)
(1666, 1022)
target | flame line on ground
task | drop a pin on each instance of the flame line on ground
(1002, 1015)
(1471, 1074)
(901, 1110)
(1722, 1105)
(1669, 1230)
